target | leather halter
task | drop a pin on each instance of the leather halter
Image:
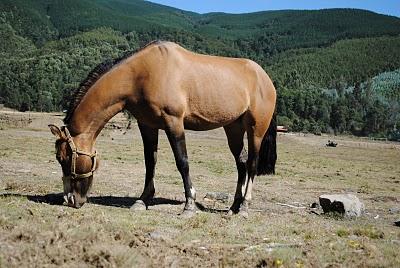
(75, 153)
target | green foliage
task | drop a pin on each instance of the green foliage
(13, 43)
(48, 20)
(350, 61)
(387, 85)
(335, 70)
(28, 19)
(299, 28)
(58, 69)
(362, 109)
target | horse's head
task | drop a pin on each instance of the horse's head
(77, 167)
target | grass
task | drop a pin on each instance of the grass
(370, 232)
(106, 233)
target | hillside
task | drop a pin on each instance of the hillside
(351, 60)
(59, 18)
(310, 52)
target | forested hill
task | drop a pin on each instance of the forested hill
(333, 68)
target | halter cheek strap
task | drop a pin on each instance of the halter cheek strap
(75, 153)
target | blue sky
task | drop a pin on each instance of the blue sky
(390, 7)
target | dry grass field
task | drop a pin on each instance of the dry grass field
(37, 231)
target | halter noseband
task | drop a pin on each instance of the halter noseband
(75, 154)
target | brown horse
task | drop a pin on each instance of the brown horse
(165, 86)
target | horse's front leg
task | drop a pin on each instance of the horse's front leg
(150, 144)
(176, 136)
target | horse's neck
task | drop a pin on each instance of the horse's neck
(103, 100)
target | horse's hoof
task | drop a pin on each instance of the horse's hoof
(139, 205)
(188, 213)
(243, 213)
(244, 209)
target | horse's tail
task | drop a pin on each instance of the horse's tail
(267, 156)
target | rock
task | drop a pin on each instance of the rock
(217, 196)
(394, 210)
(347, 204)
(397, 223)
(157, 235)
(164, 234)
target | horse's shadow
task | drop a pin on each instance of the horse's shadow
(127, 202)
(56, 199)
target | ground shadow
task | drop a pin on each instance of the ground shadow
(56, 199)
(211, 210)
(51, 199)
(127, 202)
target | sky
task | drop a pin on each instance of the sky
(389, 7)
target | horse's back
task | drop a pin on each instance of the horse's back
(209, 91)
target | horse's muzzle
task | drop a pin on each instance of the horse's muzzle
(72, 201)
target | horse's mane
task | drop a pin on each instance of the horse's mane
(93, 77)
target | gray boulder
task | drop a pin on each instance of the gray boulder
(347, 204)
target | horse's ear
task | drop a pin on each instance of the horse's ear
(56, 131)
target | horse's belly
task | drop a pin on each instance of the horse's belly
(215, 109)
(211, 120)
(199, 125)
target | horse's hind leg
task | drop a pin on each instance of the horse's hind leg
(176, 136)
(235, 133)
(150, 144)
(254, 144)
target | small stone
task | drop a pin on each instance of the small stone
(223, 197)
(397, 223)
(347, 204)
(394, 210)
(157, 235)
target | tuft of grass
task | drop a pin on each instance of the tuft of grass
(198, 221)
(354, 244)
(341, 232)
(370, 232)
(277, 263)
(365, 188)
(299, 263)
(308, 236)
